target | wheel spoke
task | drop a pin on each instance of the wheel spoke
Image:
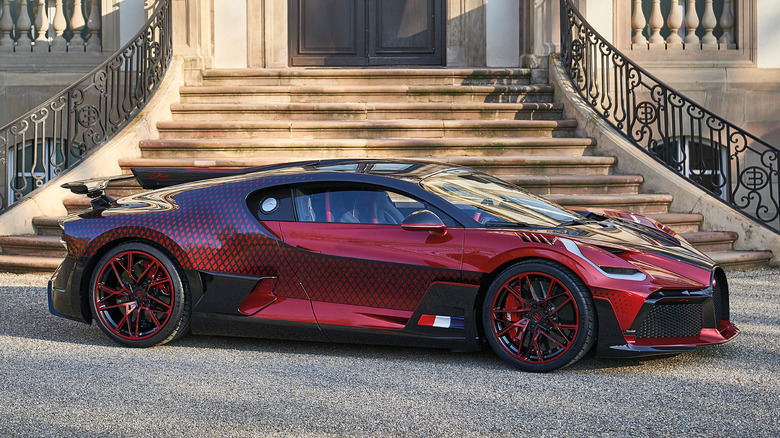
(119, 279)
(130, 307)
(116, 306)
(547, 335)
(129, 268)
(518, 296)
(521, 324)
(560, 306)
(146, 271)
(154, 318)
(162, 303)
(123, 292)
(137, 321)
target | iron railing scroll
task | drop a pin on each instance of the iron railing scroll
(54, 136)
(707, 150)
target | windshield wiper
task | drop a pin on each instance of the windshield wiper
(500, 224)
(573, 222)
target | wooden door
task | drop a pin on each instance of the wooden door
(366, 32)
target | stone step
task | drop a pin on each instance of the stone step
(679, 222)
(741, 260)
(366, 129)
(32, 245)
(711, 241)
(47, 226)
(367, 94)
(637, 203)
(367, 111)
(513, 167)
(366, 148)
(76, 203)
(346, 76)
(578, 184)
(16, 263)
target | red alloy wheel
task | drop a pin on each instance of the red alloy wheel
(534, 318)
(134, 295)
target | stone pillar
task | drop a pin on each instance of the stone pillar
(275, 28)
(503, 33)
(466, 35)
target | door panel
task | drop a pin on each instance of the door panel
(376, 267)
(404, 30)
(366, 32)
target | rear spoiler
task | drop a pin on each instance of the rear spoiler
(95, 188)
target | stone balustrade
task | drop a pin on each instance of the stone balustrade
(50, 26)
(683, 25)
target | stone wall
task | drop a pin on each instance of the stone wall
(27, 80)
(747, 97)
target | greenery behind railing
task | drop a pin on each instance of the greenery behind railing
(724, 160)
(55, 135)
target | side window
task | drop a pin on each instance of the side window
(272, 205)
(356, 205)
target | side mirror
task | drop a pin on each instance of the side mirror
(424, 220)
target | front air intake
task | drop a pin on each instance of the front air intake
(672, 321)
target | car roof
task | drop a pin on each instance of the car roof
(409, 170)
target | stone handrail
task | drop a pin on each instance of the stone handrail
(31, 26)
(688, 24)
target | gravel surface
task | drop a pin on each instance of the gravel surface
(63, 378)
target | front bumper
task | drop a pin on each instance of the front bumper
(668, 322)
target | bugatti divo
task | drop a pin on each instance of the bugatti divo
(383, 252)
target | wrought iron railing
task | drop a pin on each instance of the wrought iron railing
(724, 160)
(54, 136)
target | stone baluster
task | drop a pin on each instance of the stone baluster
(94, 23)
(674, 22)
(656, 23)
(727, 24)
(77, 26)
(638, 23)
(6, 26)
(59, 25)
(708, 22)
(691, 24)
(42, 26)
(23, 26)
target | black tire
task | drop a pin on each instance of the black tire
(539, 316)
(139, 297)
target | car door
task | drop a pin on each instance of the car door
(359, 267)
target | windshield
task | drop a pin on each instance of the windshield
(491, 201)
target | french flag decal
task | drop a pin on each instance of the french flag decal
(453, 322)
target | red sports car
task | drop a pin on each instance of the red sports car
(383, 252)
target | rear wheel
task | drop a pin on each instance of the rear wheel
(138, 297)
(538, 316)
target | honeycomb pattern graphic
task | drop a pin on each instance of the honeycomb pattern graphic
(365, 283)
(211, 229)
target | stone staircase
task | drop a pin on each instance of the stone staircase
(500, 121)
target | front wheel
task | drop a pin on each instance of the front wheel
(138, 297)
(538, 316)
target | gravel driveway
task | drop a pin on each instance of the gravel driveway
(63, 378)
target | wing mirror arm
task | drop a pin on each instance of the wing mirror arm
(424, 220)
